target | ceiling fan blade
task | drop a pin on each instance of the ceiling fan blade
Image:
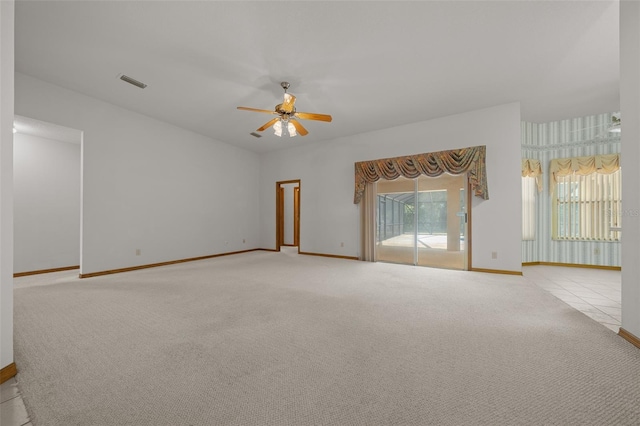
(312, 116)
(301, 130)
(287, 104)
(268, 124)
(257, 110)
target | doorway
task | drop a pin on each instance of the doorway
(47, 166)
(424, 221)
(288, 214)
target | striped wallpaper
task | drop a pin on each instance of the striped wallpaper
(567, 138)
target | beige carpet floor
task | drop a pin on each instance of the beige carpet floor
(267, 338)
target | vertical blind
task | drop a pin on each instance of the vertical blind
(587, 207)
(529, 187)
(531, 180)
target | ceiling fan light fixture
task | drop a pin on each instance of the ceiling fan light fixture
(277, 128)
(284, 127)
(291, 129)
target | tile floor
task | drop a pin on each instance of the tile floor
(594, 292)
(12, 410)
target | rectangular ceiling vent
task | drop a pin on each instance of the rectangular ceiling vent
(257, 135)
(133, 81)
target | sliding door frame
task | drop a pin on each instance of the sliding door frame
(468, 248)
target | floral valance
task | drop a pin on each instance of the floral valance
(456, 162)
(532, 168)
(605, 164)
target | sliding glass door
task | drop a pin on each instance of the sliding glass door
(423, 221)
(395, 236)
(442, 221)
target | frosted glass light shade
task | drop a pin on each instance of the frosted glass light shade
(289, 128)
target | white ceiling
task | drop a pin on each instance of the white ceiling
(371, 65)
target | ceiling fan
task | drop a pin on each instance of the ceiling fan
(287, 120)
(614, 126)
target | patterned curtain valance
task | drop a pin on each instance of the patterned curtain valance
(433, 164)
(605, 164)
(532, 168)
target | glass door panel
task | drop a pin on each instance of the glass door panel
(442, 221)
(423, 221)
(395, 236)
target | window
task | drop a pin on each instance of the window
(529, 187)
(531, 181)
(587, 207)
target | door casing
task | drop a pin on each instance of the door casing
(280, 213)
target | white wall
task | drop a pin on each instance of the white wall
(630, 158)
(46, 199)
(326, 170)
(6, 181)
(288, 212)
(148, 185)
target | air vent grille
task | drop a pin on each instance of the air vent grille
(133, 81)
(257, 135)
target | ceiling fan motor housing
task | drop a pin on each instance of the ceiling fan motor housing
(284, 113)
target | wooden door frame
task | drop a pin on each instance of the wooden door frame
(280, 212)
(296, 216)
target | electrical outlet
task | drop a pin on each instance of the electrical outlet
(494, 254)
(138, 252)
(243, 241)
(596, 251)
(226, 243)
(341, 244)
